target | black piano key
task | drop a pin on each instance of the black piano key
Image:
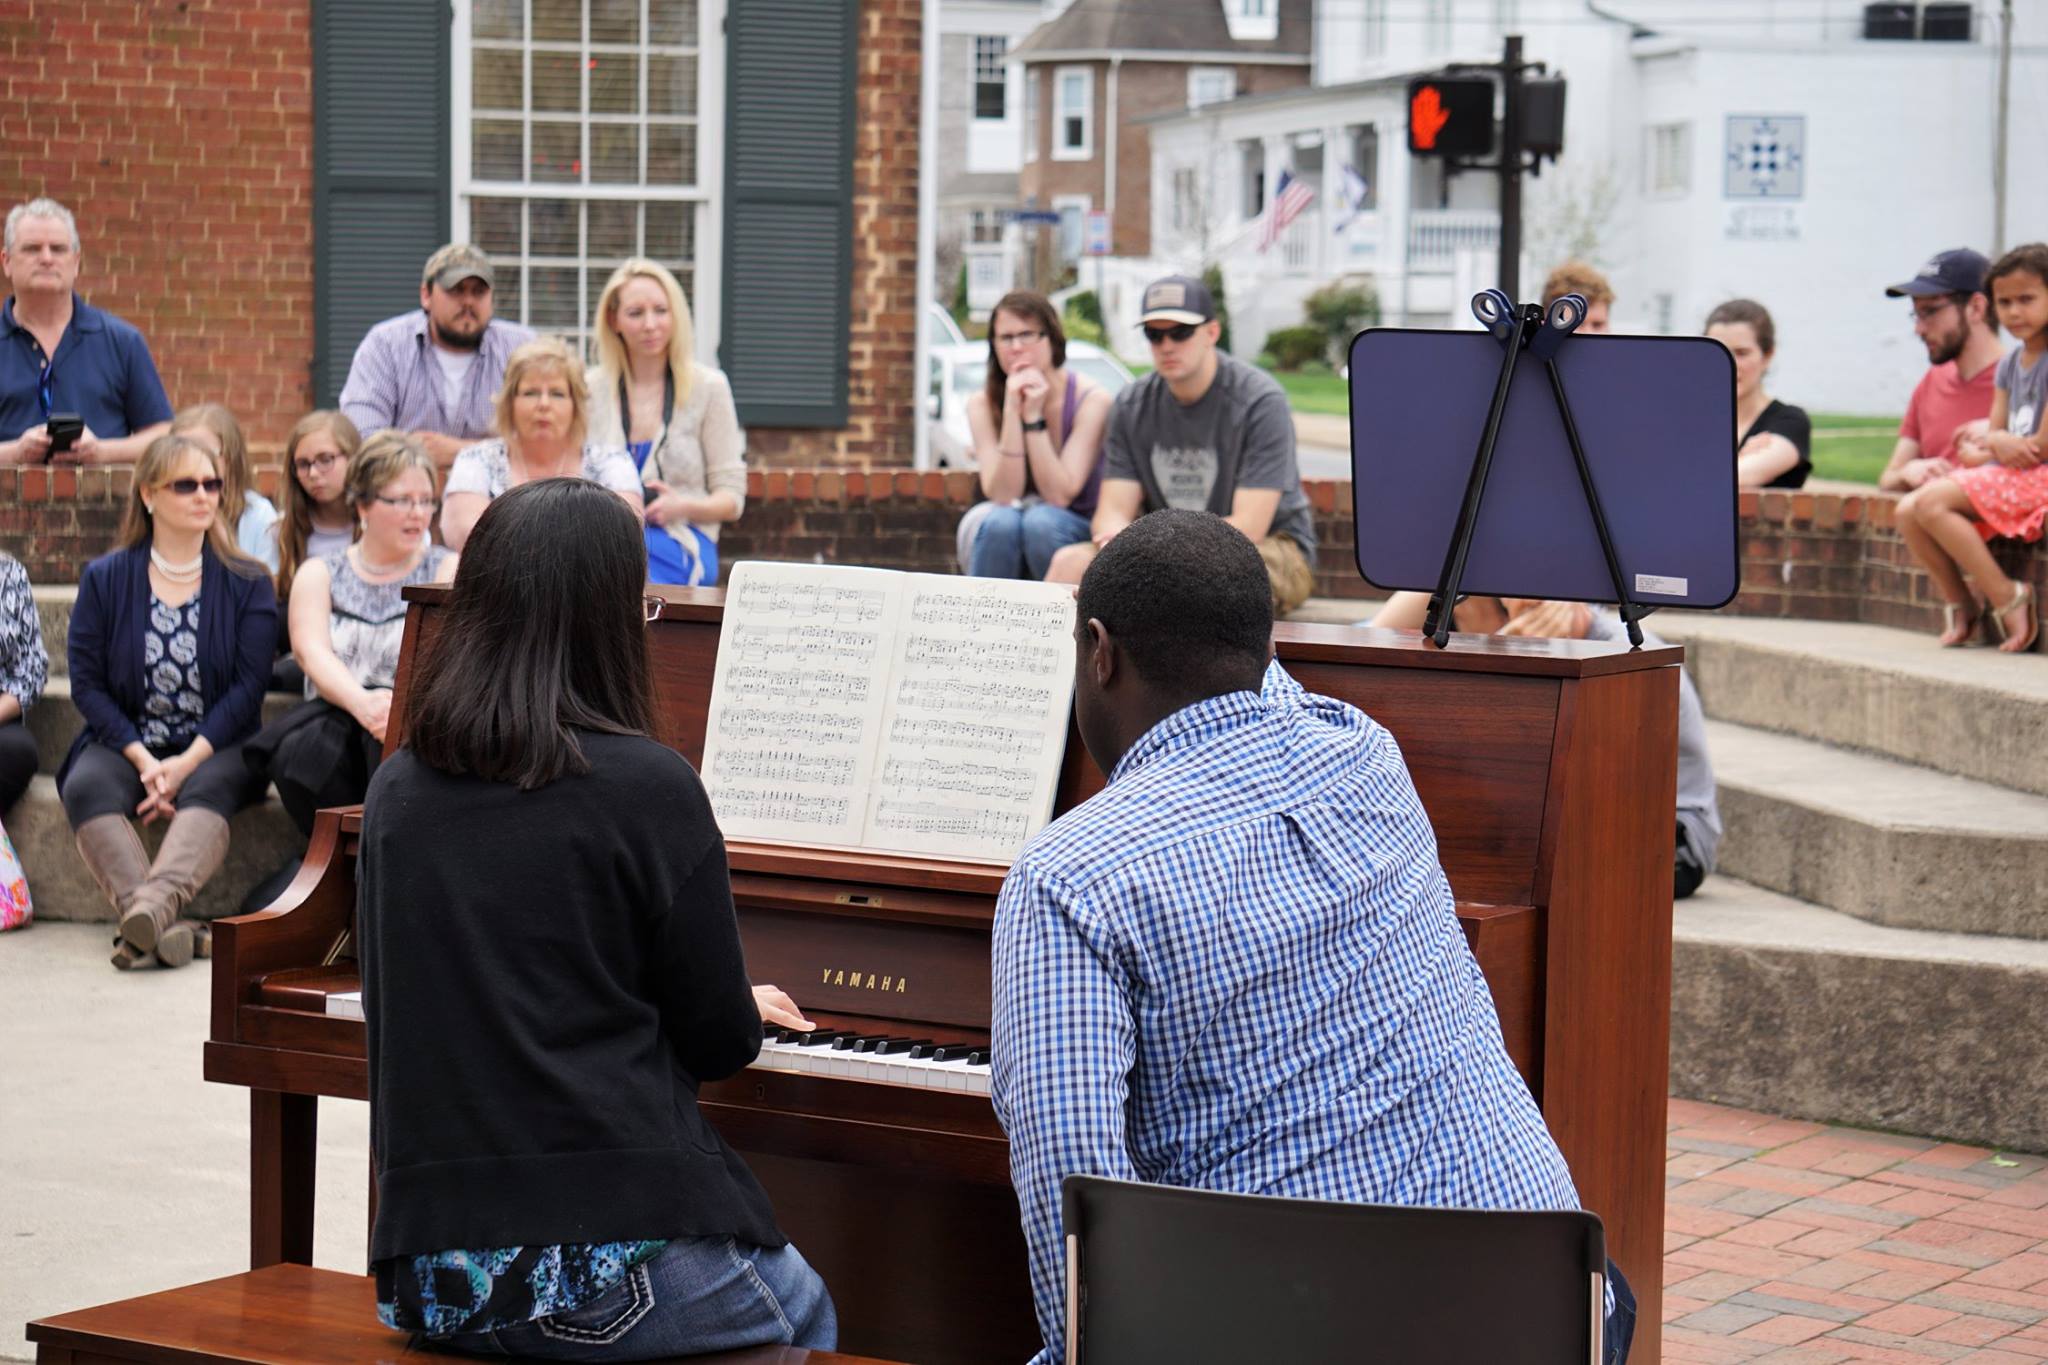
(921, 1051)
(952, 1052)
(873, 1044)
(821, 1038)
(894, 1045)
(978, 1057)
(849, 1042)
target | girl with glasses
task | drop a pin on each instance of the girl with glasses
(674, 416)
(1038, 441)
(347, 615)
(170, 651)
(318, 519)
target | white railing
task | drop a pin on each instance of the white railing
(1436, 236)
(1298, 241)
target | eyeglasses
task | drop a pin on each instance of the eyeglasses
(409, 504)
(1159, 336)
(1929, 314)
(185, 488)
(650, 609)
(1012, 339)
(321, 462)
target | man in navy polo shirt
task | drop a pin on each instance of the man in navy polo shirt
(59, 355)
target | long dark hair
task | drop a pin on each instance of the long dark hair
(543, 635)
(1032, 307)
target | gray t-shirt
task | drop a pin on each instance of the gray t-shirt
(2026, 391)
(1239, 434)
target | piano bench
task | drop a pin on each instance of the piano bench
(280, 1315)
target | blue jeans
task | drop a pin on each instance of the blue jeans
(1621, 1322)
(699, 1294)
(1019, 542)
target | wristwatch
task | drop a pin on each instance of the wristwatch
(1039, 425)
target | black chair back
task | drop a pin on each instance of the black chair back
(1194, 1276)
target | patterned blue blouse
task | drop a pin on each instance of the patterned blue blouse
(442, 1292)
(174, 707)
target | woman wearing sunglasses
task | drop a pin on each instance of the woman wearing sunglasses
(347, 614)
(1038, 440)
(170, 652)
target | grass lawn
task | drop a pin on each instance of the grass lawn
(1846, 446)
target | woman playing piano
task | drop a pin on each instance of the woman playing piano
(550, 967)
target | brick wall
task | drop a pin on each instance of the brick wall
(881, 423)
(1826, 554)
(181, 136)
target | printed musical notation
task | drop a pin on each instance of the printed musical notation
(928, 818)
(987, 781)
(796, 683)
(982, 698)
(987, 656)
(741, 724)
(785, 765)
(809, 601)
(782, 806)
(1008, 740)
(982, 612)
(824, 644)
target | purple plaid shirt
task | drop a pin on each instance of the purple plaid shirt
(395, 381)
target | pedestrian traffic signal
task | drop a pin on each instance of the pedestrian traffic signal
(1450, 115)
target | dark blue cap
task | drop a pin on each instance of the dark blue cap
(1952, 272)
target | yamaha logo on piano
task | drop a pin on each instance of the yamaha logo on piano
(865, 981)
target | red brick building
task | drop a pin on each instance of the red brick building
(258, 180)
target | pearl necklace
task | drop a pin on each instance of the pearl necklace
(380, 570)
(177, 573)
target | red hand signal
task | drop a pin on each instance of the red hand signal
(1427, 117)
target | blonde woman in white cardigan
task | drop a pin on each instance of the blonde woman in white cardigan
(674, 416)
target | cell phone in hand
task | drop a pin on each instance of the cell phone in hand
(65, 428)
(648, 495)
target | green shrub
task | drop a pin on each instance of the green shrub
(960, 309)
(1080, 328)
(1340, 310)
(1294, 347)
(1212, 279)
(1086, 306)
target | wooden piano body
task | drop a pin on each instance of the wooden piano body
(1548, 770)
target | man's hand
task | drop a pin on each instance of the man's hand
(31, 447)
(84, 450)
(1547, 620)
(777, 1008)
(1914, 473)
(441, 448)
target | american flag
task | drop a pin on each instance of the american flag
(1290, 197)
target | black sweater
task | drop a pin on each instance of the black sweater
(547, 975)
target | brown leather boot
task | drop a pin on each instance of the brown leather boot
(192, 851)
(112, 852)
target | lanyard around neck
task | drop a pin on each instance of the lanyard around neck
(668, 404)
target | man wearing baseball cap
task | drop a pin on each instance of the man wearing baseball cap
(1953, 319)
(1203, 431)
(435, 372)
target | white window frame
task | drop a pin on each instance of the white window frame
(1188, 208)
(975, 78)
(1375, 28)
(1032, 104)
(708, 233)
(1060, 150)
(1225, 75)
(1252, 21)
(1667, 160)
(1084, 205)
(1436, 25)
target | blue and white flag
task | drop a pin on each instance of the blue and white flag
(1353, 191)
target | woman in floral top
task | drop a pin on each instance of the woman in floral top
(24, 668)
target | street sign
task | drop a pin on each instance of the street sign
(1045, 216)
(1450, 116)
(1095, 233)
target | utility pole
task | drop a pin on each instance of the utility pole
(1511, 167)
(2004, 119)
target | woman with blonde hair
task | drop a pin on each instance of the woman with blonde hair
(543, 425)
(251, 517)
(674, 416)
(170, 651)
(347, 613)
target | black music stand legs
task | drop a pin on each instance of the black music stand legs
(1517, 327)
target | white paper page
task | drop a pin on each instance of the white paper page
(796, 700)
(975, 726)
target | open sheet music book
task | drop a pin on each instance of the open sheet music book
(895, 712)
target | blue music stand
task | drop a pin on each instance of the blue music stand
(1608, 477)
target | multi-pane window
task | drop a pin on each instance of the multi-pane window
(1252, 20)
(1251, 156)
(1365, 162)
(1073, 114)
(985, 225)
(1031, 113)
(1375, 28)
(1187, 199)
(1211, 85)
(1436, 25)
(1668, 158)
(582, 132)
(990, 79)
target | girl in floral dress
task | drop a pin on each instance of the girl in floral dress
(2003, 490)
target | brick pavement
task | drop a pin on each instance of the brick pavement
(1807, 1244)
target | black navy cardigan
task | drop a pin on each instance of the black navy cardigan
(547, 976)
(237, 631)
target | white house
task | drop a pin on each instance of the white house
(1760, 148)
(979, 142)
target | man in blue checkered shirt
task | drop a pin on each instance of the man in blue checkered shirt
(1239, 966)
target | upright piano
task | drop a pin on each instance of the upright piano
(1548, 769)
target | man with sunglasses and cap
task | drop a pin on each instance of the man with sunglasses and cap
(1207, 432)
(434, 373)
(77, 384)
(1953, 319)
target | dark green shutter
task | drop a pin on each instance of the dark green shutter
(380, 168)
(788, 270)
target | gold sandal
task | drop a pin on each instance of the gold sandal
(1960, 620)
(2023, 596)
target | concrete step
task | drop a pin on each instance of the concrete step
(55, 722)
(1878, 839)
(53, 609)
(1786, 1007)
(261, 838)
(1975, 712)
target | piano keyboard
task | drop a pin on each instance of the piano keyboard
(856, 1057)
(888, 1060)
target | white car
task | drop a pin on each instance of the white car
(956, 373)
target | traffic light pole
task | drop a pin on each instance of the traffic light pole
(1511, 168)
